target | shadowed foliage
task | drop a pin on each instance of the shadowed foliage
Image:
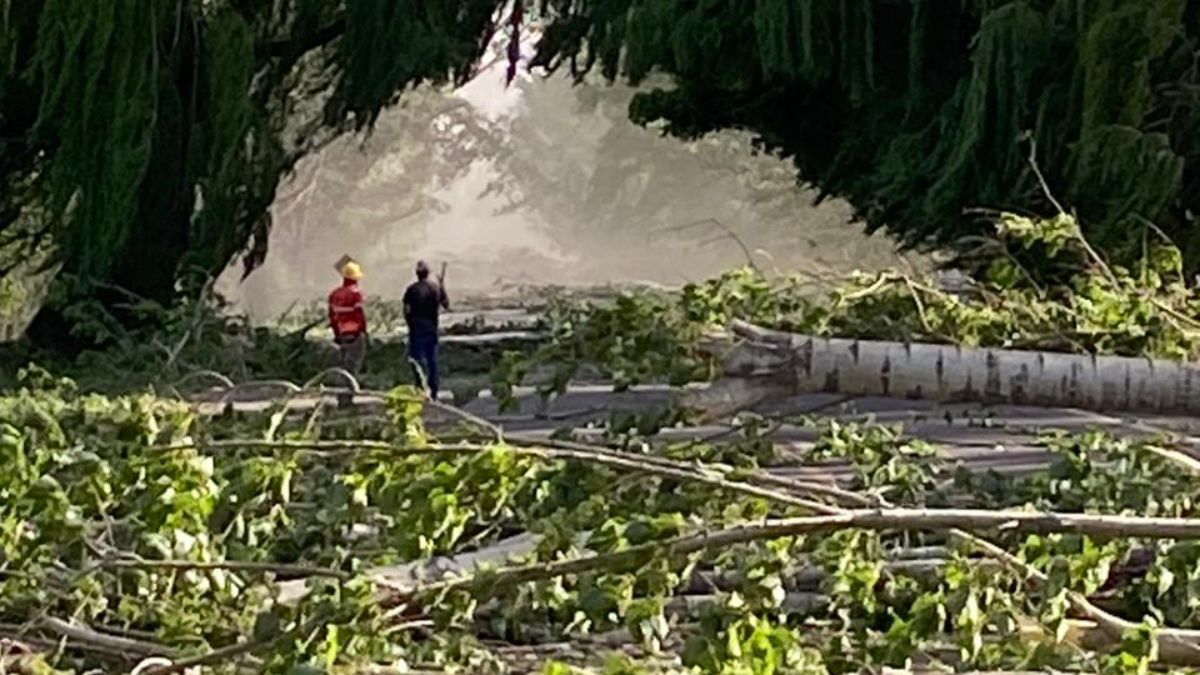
(915, 110)
(146, 138)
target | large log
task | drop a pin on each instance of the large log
(760, 364)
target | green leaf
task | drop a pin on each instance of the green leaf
(267, 626)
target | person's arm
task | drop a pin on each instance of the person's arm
(443, 299)
(407, 302)
(360, 311)
(333, 318)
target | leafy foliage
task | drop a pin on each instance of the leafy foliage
(148, 138)
(914, 113)
(155, 161)
(1075, 303)
(136, 519)
(172, 344)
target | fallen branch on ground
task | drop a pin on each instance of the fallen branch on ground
(278, 569)
(110, 643)
(1176, 645)
(611, 458)
(876, 519)
(1179, 644)
(235, 650)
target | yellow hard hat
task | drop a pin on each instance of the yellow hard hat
(352, 271)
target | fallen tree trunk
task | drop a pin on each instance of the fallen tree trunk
(760, 365)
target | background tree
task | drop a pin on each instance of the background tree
(370, 197)
(915, 110)
(599, 183)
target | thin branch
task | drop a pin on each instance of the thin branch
(493, 429)
(235, 650)
(279, 569)
(133, 297)
(751, 476)
(1033, 164)
(921, 314)
(19, 635)
(86, 635)
(998, 246)
(1087, 246)
(194, 326)
(613, 459)
(729, 234)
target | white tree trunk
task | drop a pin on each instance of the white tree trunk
(759, 364)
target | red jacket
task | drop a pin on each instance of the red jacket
(346, 316)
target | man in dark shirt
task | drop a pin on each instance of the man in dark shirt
(422, 302)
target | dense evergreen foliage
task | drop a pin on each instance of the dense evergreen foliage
(916, 110)
(146, 138)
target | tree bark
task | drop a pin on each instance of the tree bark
(760, 364)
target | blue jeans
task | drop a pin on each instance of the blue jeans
(422, 349)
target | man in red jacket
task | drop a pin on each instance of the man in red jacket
(348, 320)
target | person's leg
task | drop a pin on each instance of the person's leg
(350, 357)
(358, 354)
(414, 361)
(418, 354)
(431, 355)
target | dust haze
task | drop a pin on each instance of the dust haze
(540, 183)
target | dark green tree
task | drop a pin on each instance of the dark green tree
(916, 110)
(145, 139)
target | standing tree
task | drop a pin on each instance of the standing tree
(916, 110)
(145, 139)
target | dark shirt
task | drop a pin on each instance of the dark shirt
(422, 300)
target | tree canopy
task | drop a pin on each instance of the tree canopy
(146, 138)
(915, 111)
